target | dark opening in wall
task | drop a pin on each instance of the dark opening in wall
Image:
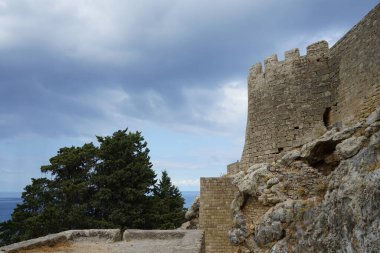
(326, 117)
(297, 127)
(323, 158)
(279, 150)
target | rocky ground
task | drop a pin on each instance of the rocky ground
(137, 246)
(322, 197)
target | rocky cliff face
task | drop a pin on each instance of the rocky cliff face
(321, 197)
(192, 215)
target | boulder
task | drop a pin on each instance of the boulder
(350, 146)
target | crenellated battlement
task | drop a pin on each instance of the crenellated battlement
(270, 62)
(292, 102)
(256, 69)
(292, 54)
(316, 51)
(287, 102)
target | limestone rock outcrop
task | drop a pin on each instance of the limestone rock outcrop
(192, 215)
(321, 197)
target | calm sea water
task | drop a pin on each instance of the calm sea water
(8, 202)
(6, 207)
(189, 197)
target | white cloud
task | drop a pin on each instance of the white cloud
(331, 36)
(172, 164)
(222, 108)
(187, 182)
(177, 67)
(105, 100)
(301, 41)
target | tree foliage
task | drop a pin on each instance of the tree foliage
(168, 204)
(109, 186)
(123, 180)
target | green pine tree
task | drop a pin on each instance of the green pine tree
(123, 180)
(72, 169)
(110, 186)
(51, 206)
(168, 204)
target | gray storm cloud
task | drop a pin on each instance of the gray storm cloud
(60, 60)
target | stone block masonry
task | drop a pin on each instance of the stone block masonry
(233, 168)
(292, 102)
(355, 60)
(252, 211)
(215, 216)
(286, 103)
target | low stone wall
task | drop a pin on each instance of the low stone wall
(110, 235)
(191, 241)
(184, 241)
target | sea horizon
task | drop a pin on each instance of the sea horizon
(9, 200)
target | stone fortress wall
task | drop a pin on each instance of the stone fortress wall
(215, 198)
(355, 60)
(286, 103)
(294, 101)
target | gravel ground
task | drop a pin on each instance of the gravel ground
(138, 246)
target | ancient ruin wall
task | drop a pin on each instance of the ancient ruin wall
(252, 211)
(215, 216)
(233, 168)
(286, 103)
(356, 62)
(292, 102)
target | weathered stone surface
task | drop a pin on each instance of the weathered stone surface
(185, 225)
(350, 146)
(374, 127)
(291, 105)
(290, 157)
(373, 117)
(272, 181)
(192, 215)
(244, 250)
(237, 236)
(375, 140)
(342, 85)
(254, 182)
(134, 241)
(215, 216)
(337, 211)
(238, 201)
(193, 211)
(319, 147)
(110, 235)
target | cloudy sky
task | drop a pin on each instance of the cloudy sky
(173, 69)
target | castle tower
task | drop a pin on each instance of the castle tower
(287, 102)
(292, 102)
